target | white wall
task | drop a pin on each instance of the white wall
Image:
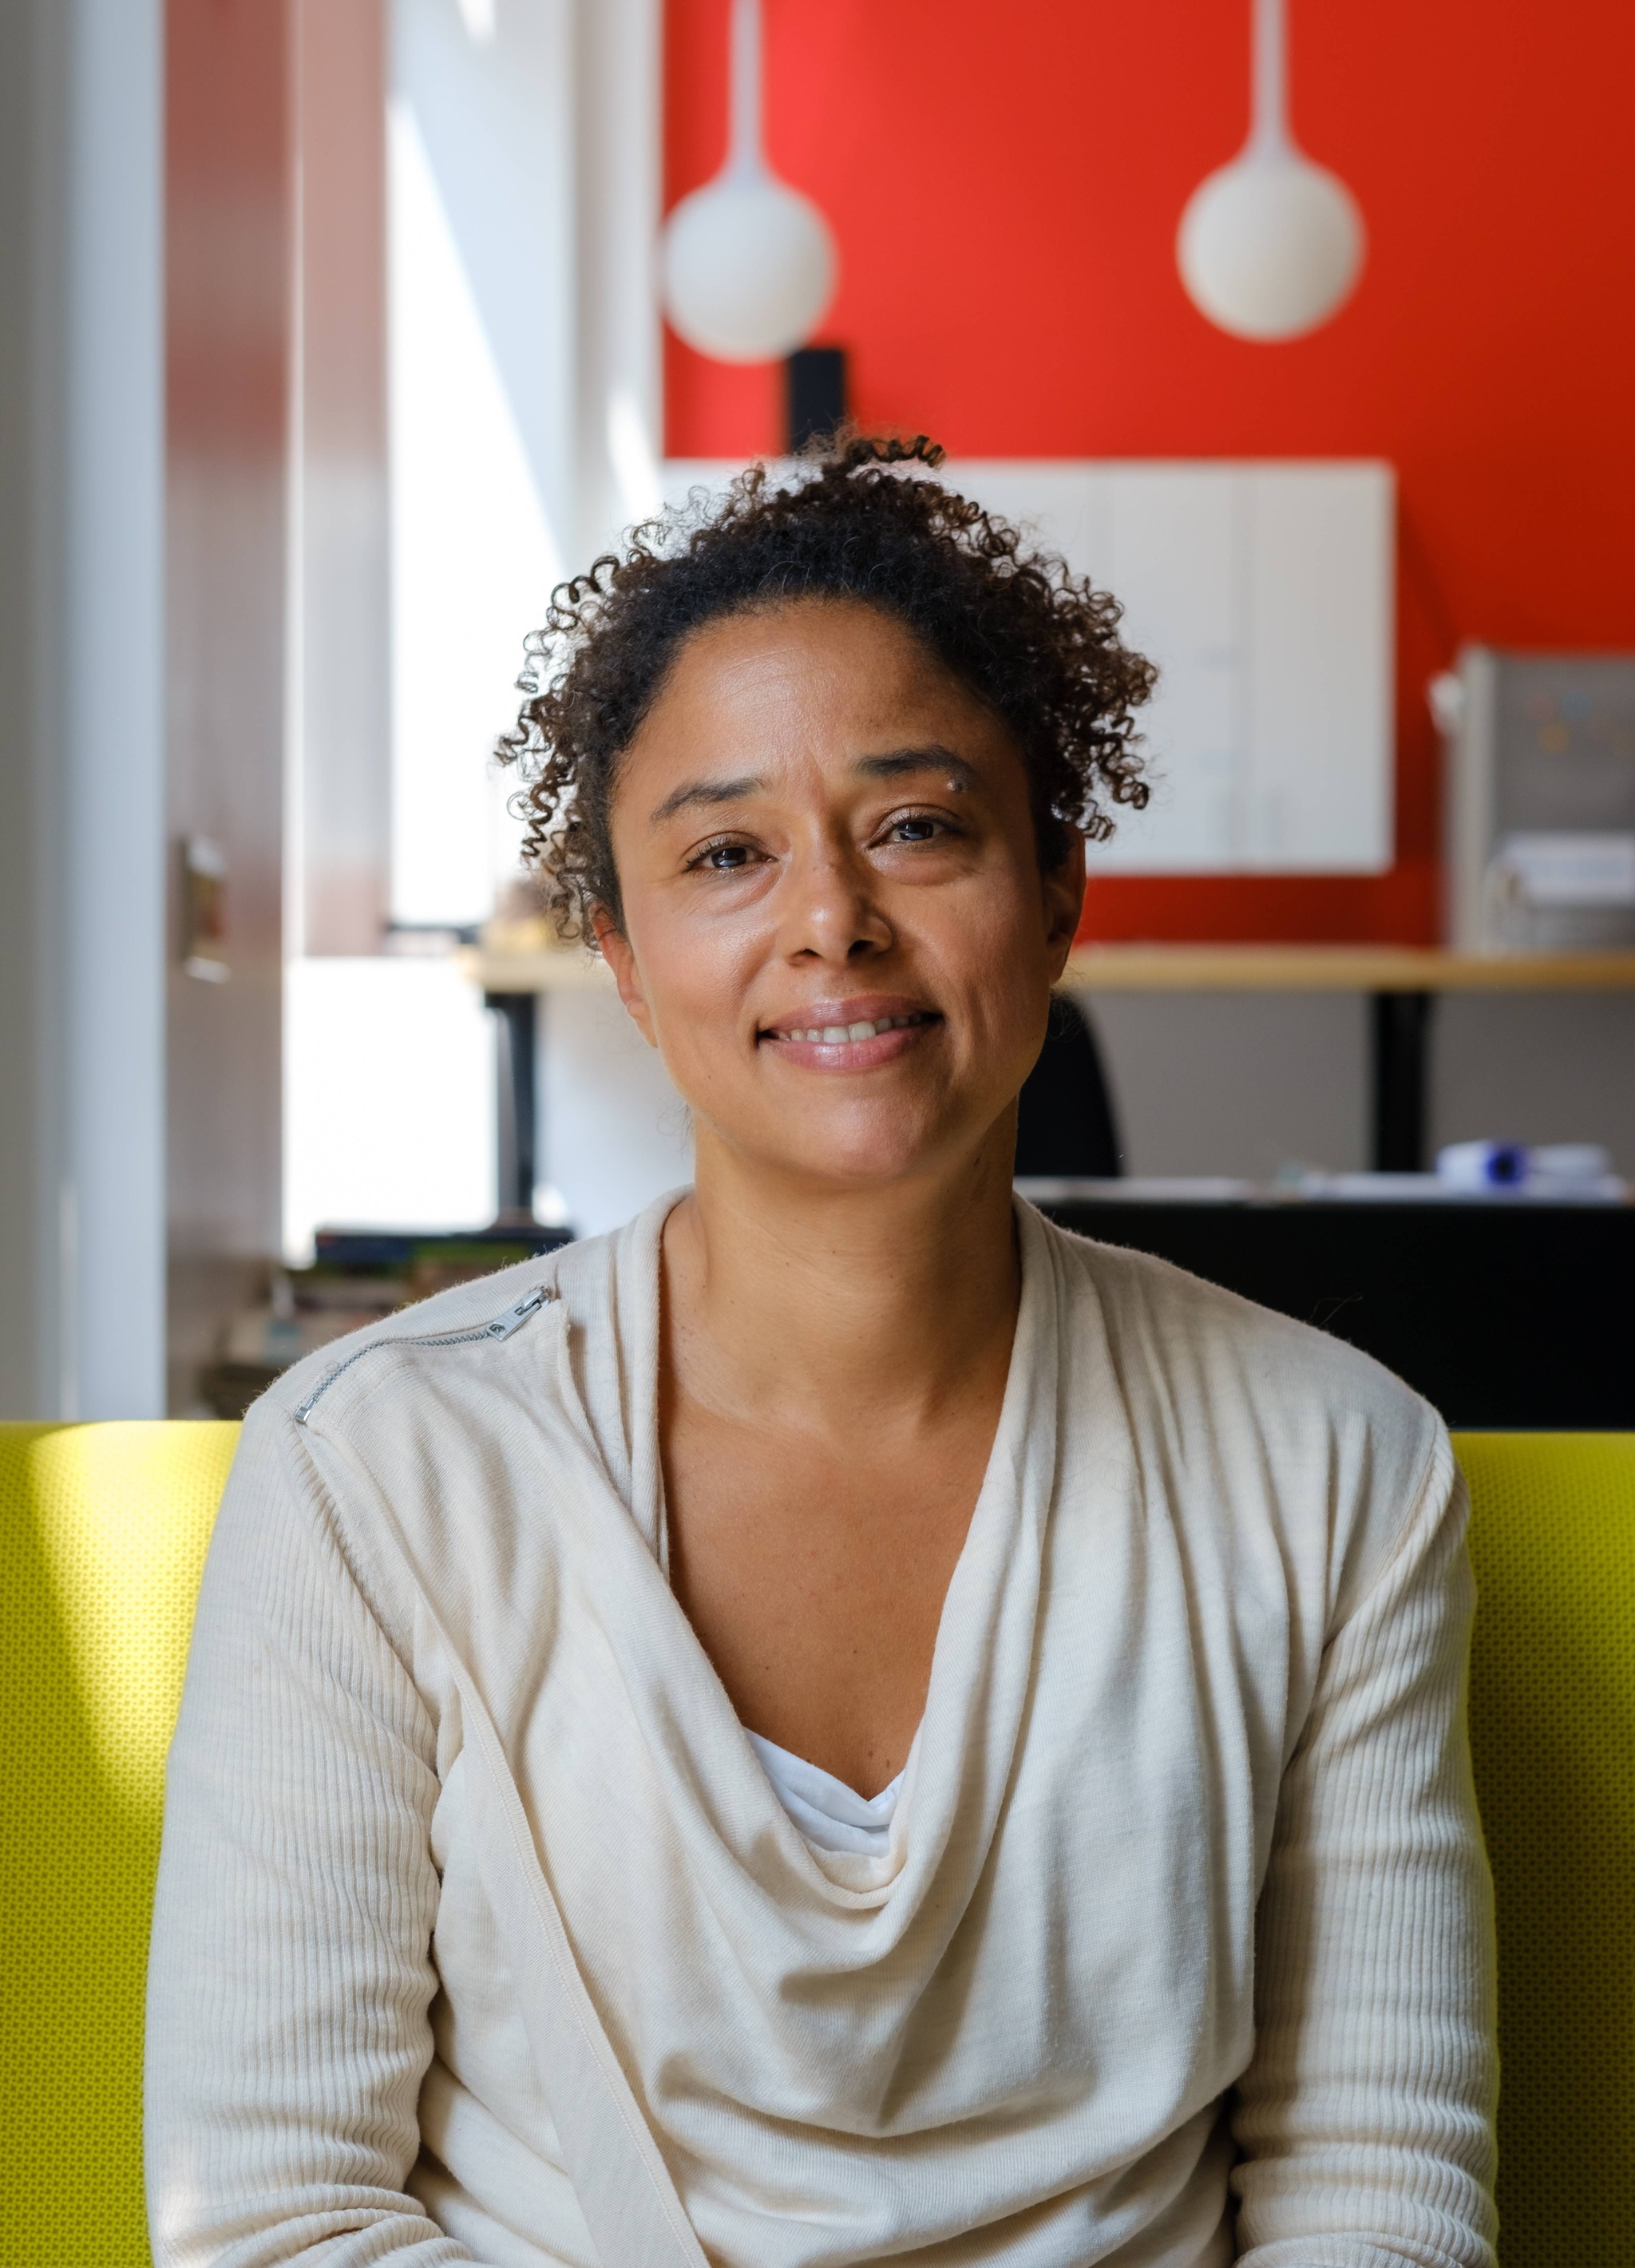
(1241, 1083)
(614, 1132)
(1204, 1083)
(1537, 1067)
(1235, 1083)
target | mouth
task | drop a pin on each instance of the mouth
(849, 1035)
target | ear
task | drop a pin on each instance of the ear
(1064, 903)
(614, 948)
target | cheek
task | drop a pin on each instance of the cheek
(694, 977)
(994, 932)
(994, 952)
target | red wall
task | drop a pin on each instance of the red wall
(1004, 183)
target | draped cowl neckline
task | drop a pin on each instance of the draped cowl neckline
(713, 1785)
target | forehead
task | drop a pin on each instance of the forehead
(807, 672)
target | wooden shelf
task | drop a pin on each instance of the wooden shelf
(521, 961)
(1340, 968)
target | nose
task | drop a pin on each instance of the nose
(831, 912)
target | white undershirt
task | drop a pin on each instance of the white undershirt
(831, 1815)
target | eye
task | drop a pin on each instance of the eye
(917, 827)
(722, 856)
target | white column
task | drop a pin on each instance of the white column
(85, 556)
(111, 665)
(30, 1117)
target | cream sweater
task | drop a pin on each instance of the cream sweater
(482, 1936)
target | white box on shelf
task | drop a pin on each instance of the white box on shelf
(1540, 800)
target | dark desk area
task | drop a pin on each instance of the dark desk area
(1502, 1315)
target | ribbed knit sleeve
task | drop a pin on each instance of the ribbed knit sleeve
(290, 1974)
(1366, 2117)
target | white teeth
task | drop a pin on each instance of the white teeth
(836, 1035)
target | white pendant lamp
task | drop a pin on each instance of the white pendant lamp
(749, 264)
(1271, 245)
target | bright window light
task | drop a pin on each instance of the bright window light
(472, 561)
(389, 1099)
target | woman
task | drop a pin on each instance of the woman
(840, 1722)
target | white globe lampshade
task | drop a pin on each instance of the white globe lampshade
(1271, 245)
(749, 267)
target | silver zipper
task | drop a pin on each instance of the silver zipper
(501, 1327)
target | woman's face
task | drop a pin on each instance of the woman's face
(834, 927)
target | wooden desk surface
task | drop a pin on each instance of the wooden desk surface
(533, 968)
(516, 957)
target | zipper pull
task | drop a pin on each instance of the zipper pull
(513, 1319)
(501, 1327)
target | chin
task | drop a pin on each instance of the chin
(869, 1156)
(858, 1169)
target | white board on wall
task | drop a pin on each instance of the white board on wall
(1265, 593)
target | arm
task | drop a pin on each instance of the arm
(1366, 2117)
(291, 1975)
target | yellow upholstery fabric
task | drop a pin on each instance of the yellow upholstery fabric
(103, 1530)
(1552, 1730)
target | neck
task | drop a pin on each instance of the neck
(833, 1307)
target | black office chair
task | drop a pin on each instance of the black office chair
(1065, 1128)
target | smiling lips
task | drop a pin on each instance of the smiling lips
(841, 1037)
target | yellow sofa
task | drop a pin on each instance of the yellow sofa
(102, 1537)
(1552, 1734)
(103, 1530)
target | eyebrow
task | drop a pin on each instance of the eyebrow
(898, 763)
(932, 758)
(705, 791)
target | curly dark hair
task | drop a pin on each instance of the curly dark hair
(1037, 644)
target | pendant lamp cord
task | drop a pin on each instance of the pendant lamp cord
(745, 159)
(1269, 128)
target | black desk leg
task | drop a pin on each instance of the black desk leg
(518, 1013)
(1400, 1036)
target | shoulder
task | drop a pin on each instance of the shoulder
(464, 1308)
(1186, 1323)
(1257, 1409)
(582, 1273)
(428, 1456)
